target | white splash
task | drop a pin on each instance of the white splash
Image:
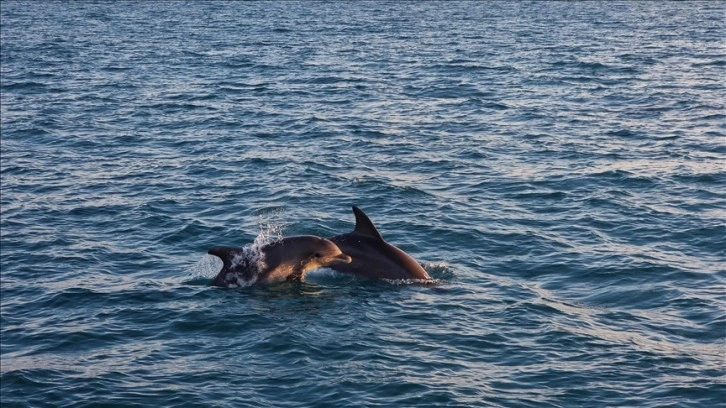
(207, 267)
(269, 233)
(253, 257)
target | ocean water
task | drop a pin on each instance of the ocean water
(559, 168)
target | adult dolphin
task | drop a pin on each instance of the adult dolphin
(286, 259)
(372, 256)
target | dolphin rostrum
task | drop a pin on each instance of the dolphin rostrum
(286, 259)
(372, 256)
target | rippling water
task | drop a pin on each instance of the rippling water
(559, 167)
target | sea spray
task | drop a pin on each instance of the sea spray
(250, 257)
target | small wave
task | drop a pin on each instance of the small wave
(439, 270)
(207, 267)
(22, 86)
(713, 63)
(425, 282)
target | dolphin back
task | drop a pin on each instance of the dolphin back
(372, 256)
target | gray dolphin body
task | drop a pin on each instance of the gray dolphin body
(372, 256)
(284, 260)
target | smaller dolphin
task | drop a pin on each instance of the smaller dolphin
(372, 256)
(283, 260)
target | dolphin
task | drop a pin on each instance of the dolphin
(287, 259)
(372, 256)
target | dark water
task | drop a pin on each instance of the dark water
(559, 167)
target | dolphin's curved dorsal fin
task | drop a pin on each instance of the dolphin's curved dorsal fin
(364, 225)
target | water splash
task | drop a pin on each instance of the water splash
(246, 264)
(404, 282)
(251, 260)
(271, 228)
(206, 268)
(439, 270)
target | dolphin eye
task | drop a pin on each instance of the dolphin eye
(318, 255)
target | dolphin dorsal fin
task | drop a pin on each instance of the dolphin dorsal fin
(364, 225)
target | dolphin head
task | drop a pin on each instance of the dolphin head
(299, 254)
(326, 253)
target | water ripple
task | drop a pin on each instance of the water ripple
(557, 168)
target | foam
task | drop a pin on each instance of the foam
(207, 267)
(425, 282)
(252, 258)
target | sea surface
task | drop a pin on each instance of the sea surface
(558, 167)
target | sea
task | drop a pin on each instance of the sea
(558, 168)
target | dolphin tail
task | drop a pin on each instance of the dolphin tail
(364, 225)
(226, 254)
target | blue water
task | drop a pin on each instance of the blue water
(558, 167)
